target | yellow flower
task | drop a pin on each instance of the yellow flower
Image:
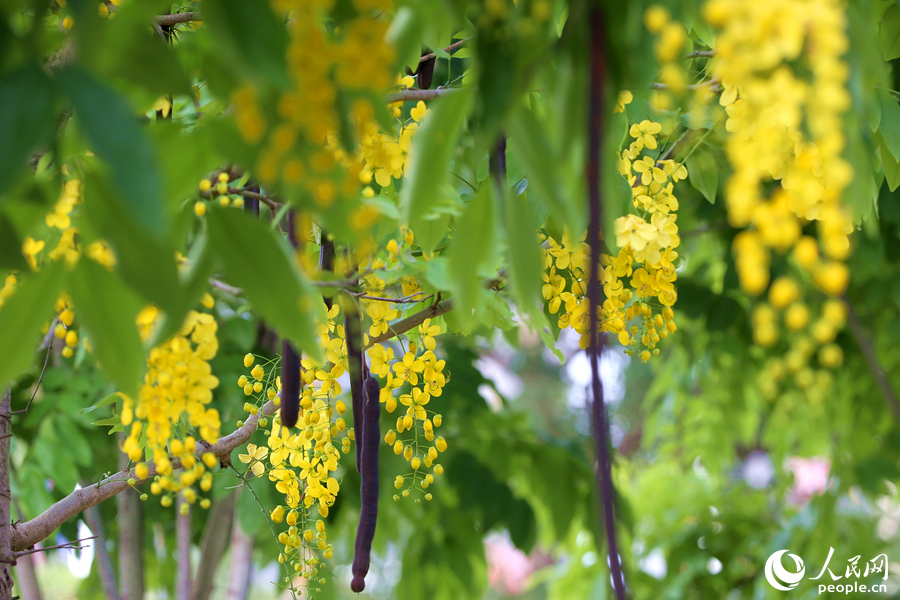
(645, 132)
(255, 455)
(625, 98)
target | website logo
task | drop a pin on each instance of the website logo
(779, 577)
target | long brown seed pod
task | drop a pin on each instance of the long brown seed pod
(290, 384)
(353, 334)
(368, 514)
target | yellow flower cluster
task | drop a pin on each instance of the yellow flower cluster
(385, 154)
(786, 136)
(301, 464)
(425, 376)
(647, 256)
(177, 389)
(784, 93)
(303, 148)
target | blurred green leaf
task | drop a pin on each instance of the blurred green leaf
(531, 144)
(703, 174)
(26, 119)
(251, 36)
(23, 315)
(257, 260)
(890, 119)
(426, 172)
(889, 33)
(470, 250)
(113, 131)
(108, 309)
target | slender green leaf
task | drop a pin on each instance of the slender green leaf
(531, 144)
(26, 119)
(703, 174)
(104, 401)
(523, 257)
(890, 120)
(433, 148)
(889, 35)
(22, 316)
(107, 309)
(114, 134)
(258, 261)
(473, 239)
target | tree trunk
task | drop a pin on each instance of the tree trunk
(241, 565)
(94, 521)
(213, 545)
(7, 558)
(130, 518)
(183, 545)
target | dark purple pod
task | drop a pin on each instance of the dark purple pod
(368, 515)
(290, 384)
(353, 334)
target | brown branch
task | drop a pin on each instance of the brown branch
(415, 95)
(402, 300)
(185, 17)
(7, 550)
(230, 289)
(401, 327)
(267, 200)
(868, 350)
(448, 49)
(713, 84)
(25, 535)
(701, 53)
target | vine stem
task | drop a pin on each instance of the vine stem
(595, 292)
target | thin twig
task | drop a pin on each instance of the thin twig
(66, 546)
(713, 84)
(448, 49)
(228, 289)
(49, 343)
(868, 350)
(402, 300)
(701, 53)
(272, 204)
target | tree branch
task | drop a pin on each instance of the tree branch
(401, 327)
(415, 95)
(448, 49)
(701, 53)
(25, 535)
(185, 17)
(868, 350)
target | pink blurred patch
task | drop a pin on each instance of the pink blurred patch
(508, 567)
(810, 478)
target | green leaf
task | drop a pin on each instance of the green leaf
(523, 256)
(26, 119)
(108, 309)
(405, 35)
(258, 261)
(11, 257)
(889, 33)
(532, 146)
(114, 134)
(470, 250)
(251, 36)
(890, 121)
(144, 262)
(433, 148)
(703, 174)
(22, 316)
(105, 401)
